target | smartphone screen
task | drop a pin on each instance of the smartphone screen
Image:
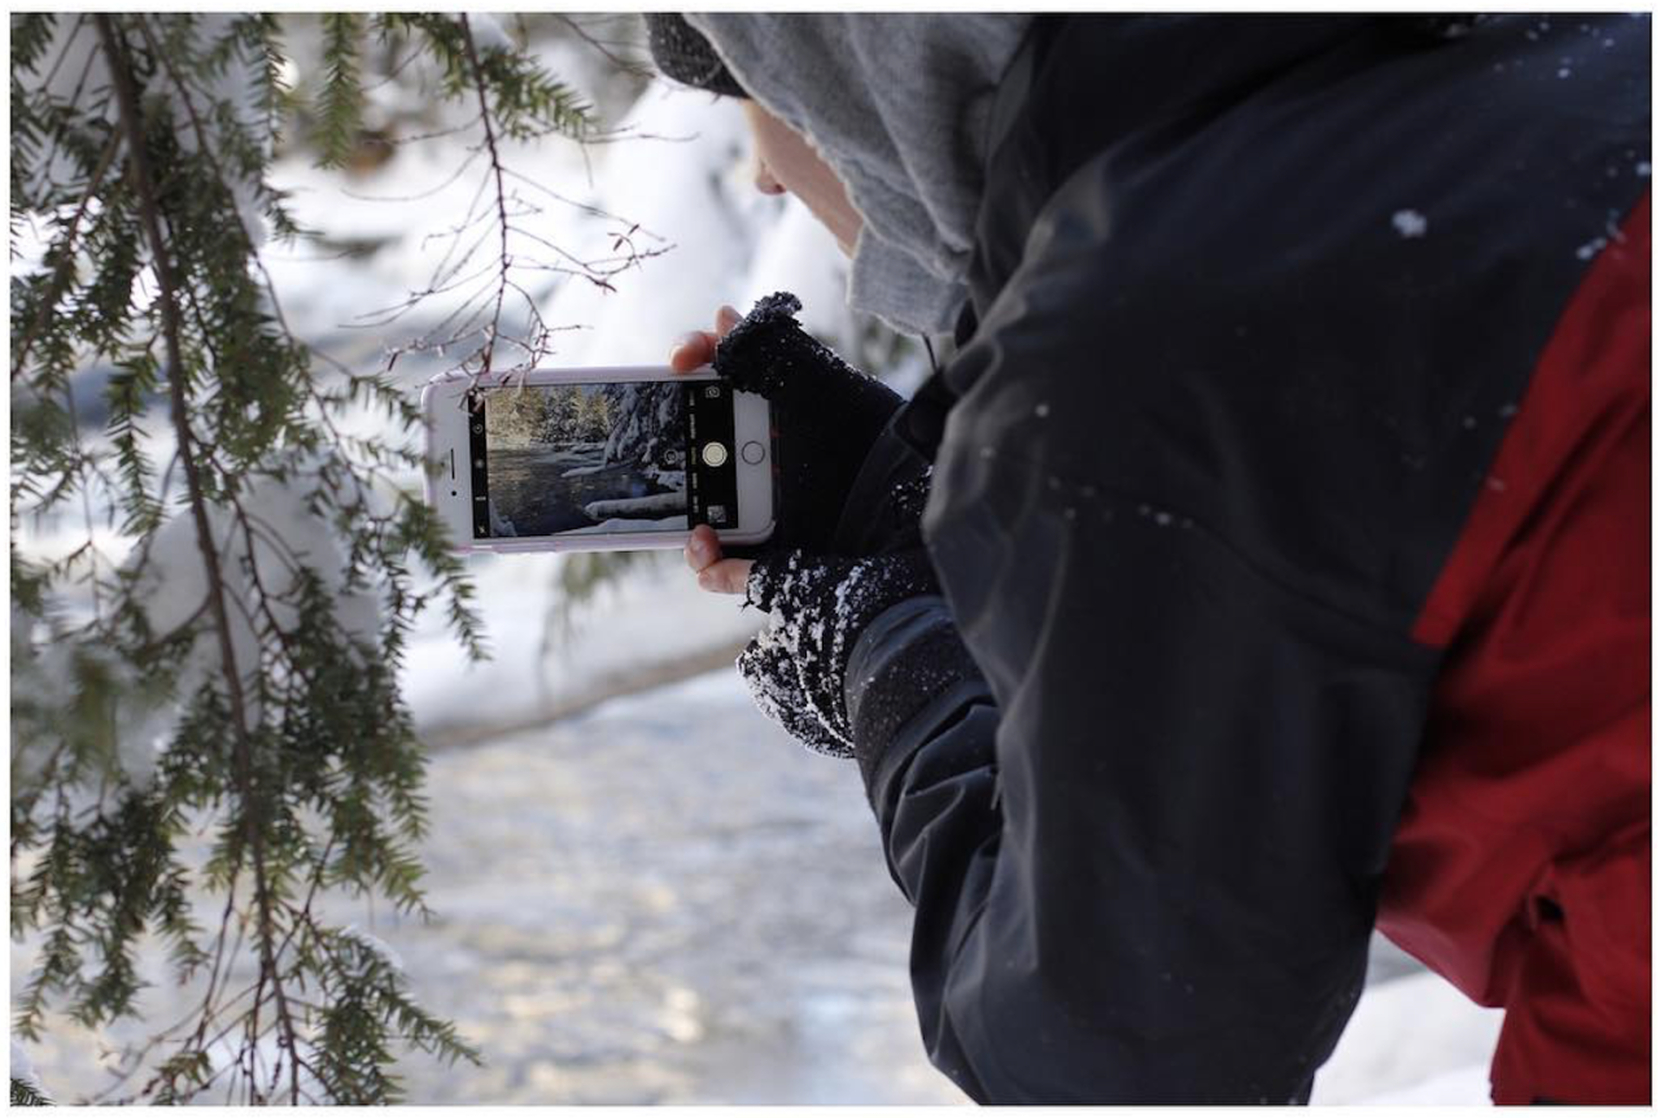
(572, 459)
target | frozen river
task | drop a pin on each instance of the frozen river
(667, 901)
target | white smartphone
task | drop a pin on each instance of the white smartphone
(598, 459)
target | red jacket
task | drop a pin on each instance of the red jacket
(1524, 850)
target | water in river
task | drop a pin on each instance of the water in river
(541, 492)
(668, 901)
(664, 901)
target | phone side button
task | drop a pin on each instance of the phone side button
(753, 453)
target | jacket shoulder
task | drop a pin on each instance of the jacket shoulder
(1302, 316)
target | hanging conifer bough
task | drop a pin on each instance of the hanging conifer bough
(217, 656)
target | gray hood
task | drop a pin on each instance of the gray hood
(899, 106)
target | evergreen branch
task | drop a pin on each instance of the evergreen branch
(206, 147)
(31, 35)
(65, 266)
(132, 122)
(342, 98)
(528, 101)
(63, 55)
(311, 719)
(270, 288)
(25, 1093)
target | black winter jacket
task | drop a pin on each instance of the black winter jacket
(1250, 296)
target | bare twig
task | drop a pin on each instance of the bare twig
(634, 67)
(488, 355)
(460, 170)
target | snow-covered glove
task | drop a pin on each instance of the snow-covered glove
(796, 668)
(828, 416)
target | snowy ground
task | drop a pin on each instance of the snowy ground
(666, 900)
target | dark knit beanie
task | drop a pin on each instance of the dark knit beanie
(685, 56)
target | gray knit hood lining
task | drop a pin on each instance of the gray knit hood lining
(900, 107)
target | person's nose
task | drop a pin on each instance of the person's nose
(764, 180)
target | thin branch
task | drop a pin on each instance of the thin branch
(207, 148)
(460, 170)
(63, 56)
(501, 188)
(45, 87)
(633, 67)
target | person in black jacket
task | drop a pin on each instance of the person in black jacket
(1269, 563)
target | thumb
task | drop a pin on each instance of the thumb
(727, 576)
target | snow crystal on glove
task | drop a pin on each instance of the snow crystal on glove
(764, 351)
(796, 668)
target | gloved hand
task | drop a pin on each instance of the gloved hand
(796, 668)
(828, 416)
(847, 545)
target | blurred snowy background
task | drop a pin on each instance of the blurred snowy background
(644, 891)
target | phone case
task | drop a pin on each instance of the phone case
(631, 541)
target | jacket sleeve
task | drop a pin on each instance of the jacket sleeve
(1150, 877)
(924, 730)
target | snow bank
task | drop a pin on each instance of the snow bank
(74, 59)
(635, 507)
(23, 1069)
(639, 629)
(632, 524)
(1413, 1039)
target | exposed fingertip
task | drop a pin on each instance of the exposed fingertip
(687, 354)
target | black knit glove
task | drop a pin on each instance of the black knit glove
(796, 667)
(827, 414)
(847, 487)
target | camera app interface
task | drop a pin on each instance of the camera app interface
(581, 458)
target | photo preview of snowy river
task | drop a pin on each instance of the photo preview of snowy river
(538, 492)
